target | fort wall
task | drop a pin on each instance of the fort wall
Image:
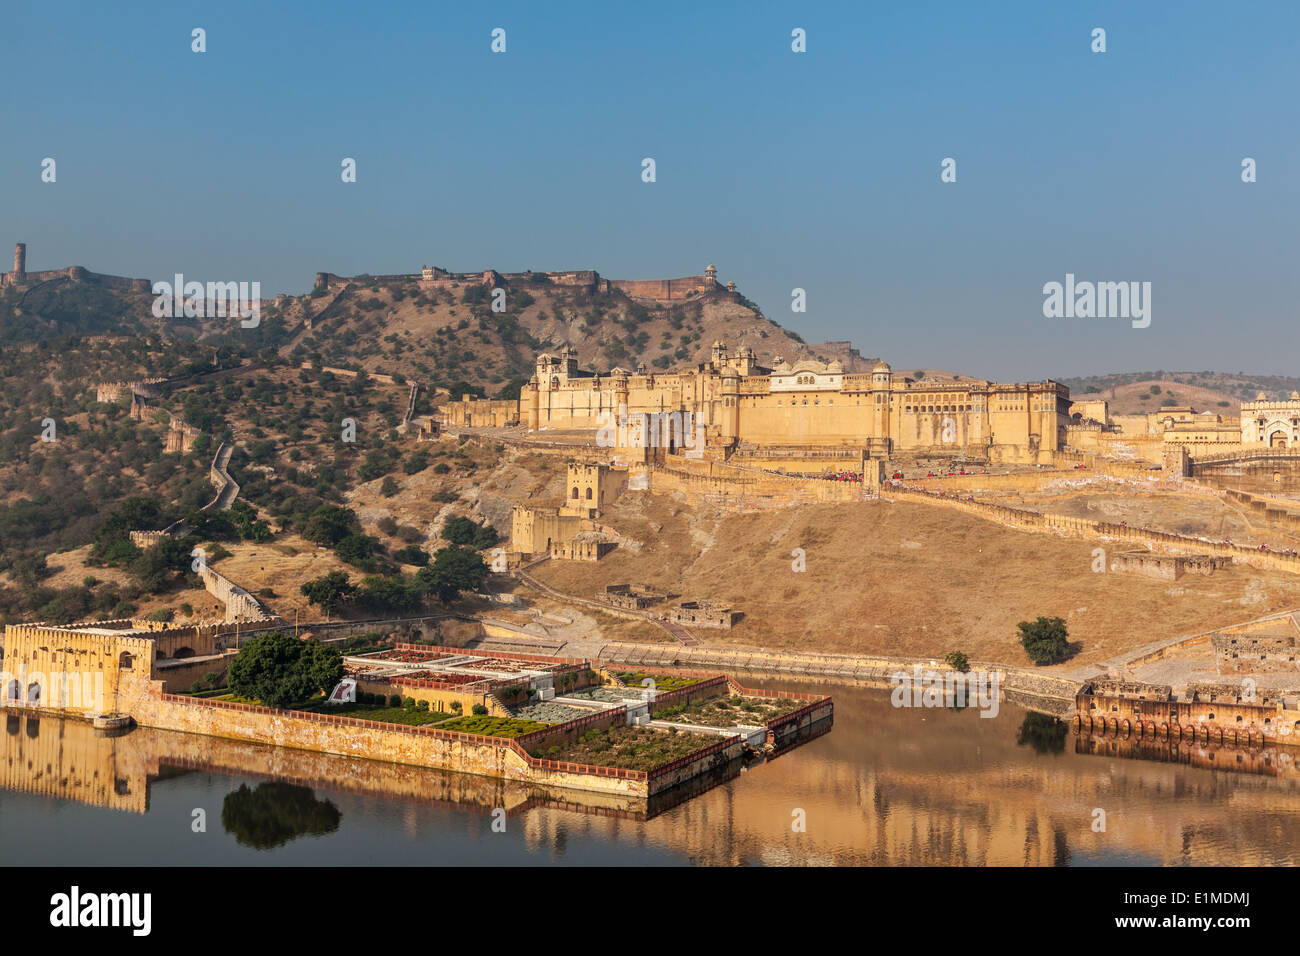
(1082, 527)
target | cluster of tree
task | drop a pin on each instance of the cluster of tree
(454, 570)
(340, 529)
(464, 531)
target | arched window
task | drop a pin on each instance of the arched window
(13, 691)
(575, 492)
(588, 494)
(124, 661)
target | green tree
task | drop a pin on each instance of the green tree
(330, 524)
(329, 592)
(454, 569)
(957, 660)
(390, 593)
(463, 531)
(357, 550)
(1044, 640)
(279, 670)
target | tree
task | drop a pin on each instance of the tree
(1044, 640)
(329, 592)
(330, 524)
(357, 550)
(957, 660)
(391, 593)
(463, 531)
(279, 670)
(453, 570)
(411, 554)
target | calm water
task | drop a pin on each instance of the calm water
(884, 786)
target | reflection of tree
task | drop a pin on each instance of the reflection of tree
(1044, 733)
(276, 813)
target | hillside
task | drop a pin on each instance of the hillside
(1130, 393)
(442, 336)
(897, 578)
(450, 335)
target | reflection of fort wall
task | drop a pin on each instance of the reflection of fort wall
(967, 795)
(70, 760)
(889, 786)
(1268, 761)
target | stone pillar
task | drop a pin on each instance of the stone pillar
(873, 474)
(20, 260)
(321, 281)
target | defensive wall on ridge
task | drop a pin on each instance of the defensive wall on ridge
(1067, 526)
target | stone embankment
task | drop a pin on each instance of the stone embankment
(1035, 691)
(677, 632)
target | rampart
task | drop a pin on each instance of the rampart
(1082, 527)
(1167, 567)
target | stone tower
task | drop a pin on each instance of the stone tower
(20, 260)
(711, 274)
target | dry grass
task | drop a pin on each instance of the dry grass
(900, 578)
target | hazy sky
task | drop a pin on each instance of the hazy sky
(817, 170)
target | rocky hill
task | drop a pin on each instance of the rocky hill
(439, 336)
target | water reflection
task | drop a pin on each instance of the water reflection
(1042, 732)
(275, 813)
(888, 786)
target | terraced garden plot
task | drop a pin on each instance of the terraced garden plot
(613, 695)
(492, 726)
(631, 748)
(390, 715)
(729, 711)
(549, 713)
(662, 681)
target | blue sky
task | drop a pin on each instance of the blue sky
(817, 170)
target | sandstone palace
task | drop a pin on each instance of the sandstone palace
(738, 404)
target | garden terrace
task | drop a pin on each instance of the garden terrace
(662, 682)
(507, 727)
(624, 747)
(609, 694)
(409, 716)
(730, 711)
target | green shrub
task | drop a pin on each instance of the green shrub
(395, 700)
(408, 703)
(479, 710)
(957, 660)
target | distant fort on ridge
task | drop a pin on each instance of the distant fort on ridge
(660, 290)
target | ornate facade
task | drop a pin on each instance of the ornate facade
(1273, 424)
(807, 403)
